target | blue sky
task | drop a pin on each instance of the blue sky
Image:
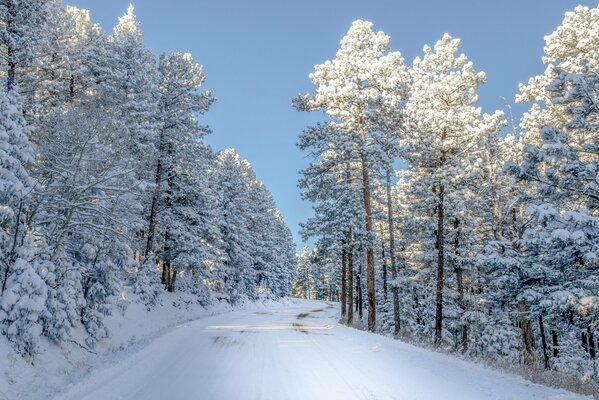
(257, 56)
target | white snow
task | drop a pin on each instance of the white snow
(294, 349)
(60, 366)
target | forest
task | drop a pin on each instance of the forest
(434, 223)
(445, 225)
(106, 186)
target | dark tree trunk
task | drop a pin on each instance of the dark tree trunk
(166, 265)
(384, 265)
(460, 283)
(343, 284)
(592, 351)
(350, 281)
(554, 344)
(359, 300)
(543, 341)
(440, 265)
(155, 199)
(369, 252)
(394, 287)
(10, 74)
(167, 275)
(71, 88)
(527, 335)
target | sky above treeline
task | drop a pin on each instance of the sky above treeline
(257, 56)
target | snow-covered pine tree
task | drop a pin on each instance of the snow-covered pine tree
(237, 272)
(24, 275)
(559, 251)
(446, 134)
(16, 185)
(180, 103)
(331, 181)
(357, 90)
(303, 286)
(21, 33)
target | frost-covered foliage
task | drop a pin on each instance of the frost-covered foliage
(491, 240)
(106, 186)
(359, 91)
(254, 242)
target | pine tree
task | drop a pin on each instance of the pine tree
(16, 185)
(21, 32)
(356, 90)
(445, 132)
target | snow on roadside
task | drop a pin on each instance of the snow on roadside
(59, 366)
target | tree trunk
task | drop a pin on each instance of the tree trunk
(343, 284)
(592, 351)
(71, 88)
(350, 281)
(394, 287)
(166, 271)
(384, 265)
(166, 265)
(10, 74)
(554, 344)
(584, 341)
(543, 341)
(440, 265)
(359, 300)
(155, 198)
(527, 335)
(369, 252)
(460, 286)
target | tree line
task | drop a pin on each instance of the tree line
(107, 190)
(486, 240)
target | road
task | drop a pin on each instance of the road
(295, 350)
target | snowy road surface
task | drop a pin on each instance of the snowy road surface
(295, 351)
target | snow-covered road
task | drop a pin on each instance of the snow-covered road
(295, 350)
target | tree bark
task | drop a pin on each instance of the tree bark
(10, 74)
(592, 350)
(166, 268)
(383, 256)
(543, 341)
(527, 335)
(350, 281)
(554, 344)
(359, 300)
(343, 284)
(369, 252)
(394, 287)
(460, 286)
(155, 198)
(440, 265)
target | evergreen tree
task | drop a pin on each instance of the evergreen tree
(357, 89)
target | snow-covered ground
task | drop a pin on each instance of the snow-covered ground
(293, 350)
(57, 368)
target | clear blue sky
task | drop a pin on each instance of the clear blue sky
(257, 56)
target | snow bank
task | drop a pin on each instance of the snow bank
(57, 367)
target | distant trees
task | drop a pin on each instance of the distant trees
(107, 187)
(488, 239)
